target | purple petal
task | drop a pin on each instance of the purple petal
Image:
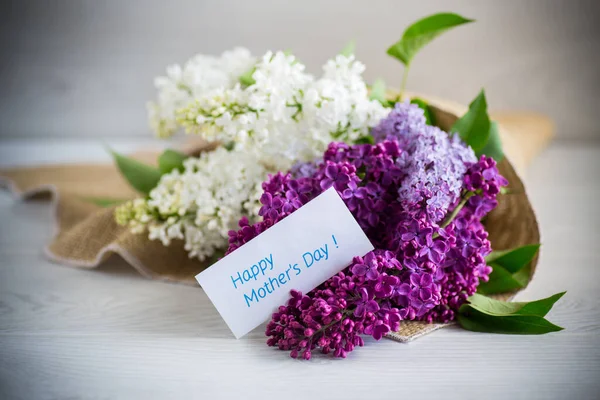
(359, 311)
(415, 303)
(372, 274)
(277, 202)
(326, 183)
(331, 171)
(291, 194)
(273, 214)
(347, 194)
(360, 193)
(403, 289)
(426, 280)
(359, 269)
(411, 264)
(373, 219)
(415, 279)
(407, 236)
(425, 294)
(372, 306)
(287, 208)
(436, 257)
(266, 199)
(364, 294)
(379, 331)
(439, 246)
(263, 210)
(342, 179)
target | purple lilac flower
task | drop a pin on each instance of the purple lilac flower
(365, 303)
(271, 206)
(304, 169)
(337, 175)
(403, 120)
(433, 162)
(367, 268)
(333, 316)
(434, 165)
(421, 272)
(483, 178)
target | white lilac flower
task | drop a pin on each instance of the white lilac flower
(287, 115)
(282, 116)
(199, 75)
(337, 106)
(201, 204)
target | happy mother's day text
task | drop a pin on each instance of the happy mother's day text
(260, 271)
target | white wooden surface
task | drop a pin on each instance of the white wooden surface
(111, 334)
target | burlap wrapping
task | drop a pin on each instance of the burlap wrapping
(86, 234)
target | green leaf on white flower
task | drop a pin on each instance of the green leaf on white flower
(246, 78)
(170, 160)
(421, 33)
(140, 176)
(429, 117)
(483, 314)
(104, 201)
(493, 147)
(514, 259)
(474, 126)
(348, 50)
(229, 146)
(378, 92)
(512, 325)
(368, 139)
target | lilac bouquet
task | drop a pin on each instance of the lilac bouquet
(419, 194)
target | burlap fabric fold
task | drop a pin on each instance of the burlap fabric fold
(86, 234)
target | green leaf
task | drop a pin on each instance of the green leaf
(500, 281)
(348, 50)
(378, 92)
(511, 269)
(493, 147)
(473, 320)
(141, 177)
(490, 306)
(483, 314)
(523, 275)
(170, 160)
(421, 33)
(474, 126)
(368, 139)
(246, 78)
(429, 118)
(104, 201)
(513, 259)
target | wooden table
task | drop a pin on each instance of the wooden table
(109, 333)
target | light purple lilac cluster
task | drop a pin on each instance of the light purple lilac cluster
(419, 195)
(432, 162)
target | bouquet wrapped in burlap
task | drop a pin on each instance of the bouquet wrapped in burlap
(87, 234)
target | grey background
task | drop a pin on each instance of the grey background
(85, 68)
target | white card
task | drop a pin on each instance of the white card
(300, 252)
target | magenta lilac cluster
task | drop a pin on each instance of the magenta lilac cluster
(332, 317)
(419, 195)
